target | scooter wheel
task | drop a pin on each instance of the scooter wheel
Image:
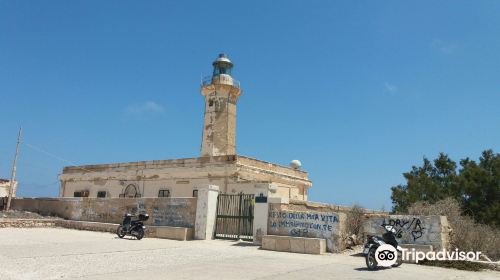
(371, 261)
(120, 232)
(140, 234)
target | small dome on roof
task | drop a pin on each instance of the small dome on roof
(295, 164)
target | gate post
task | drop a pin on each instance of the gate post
(261, 218)
(265, 194)
(206, 211)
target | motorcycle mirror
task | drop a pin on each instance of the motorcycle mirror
(390, 228)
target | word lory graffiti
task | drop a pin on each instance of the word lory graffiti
(413, 226)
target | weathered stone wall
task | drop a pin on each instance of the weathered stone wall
(319, 220)
(321, 206)
(176, 212)
(422, 230)
(299, 221)
(176, 233)
(233, 174)
(5, 186)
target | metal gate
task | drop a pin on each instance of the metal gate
(3, 203)
(234, 217)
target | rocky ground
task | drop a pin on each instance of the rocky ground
(13, 214)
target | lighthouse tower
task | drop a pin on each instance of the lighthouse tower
(221, 93)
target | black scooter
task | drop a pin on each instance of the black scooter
(373, 242)
(131, 227)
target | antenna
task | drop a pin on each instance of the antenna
(13, 176)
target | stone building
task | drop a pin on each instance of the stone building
(219, 163)
(4, 188)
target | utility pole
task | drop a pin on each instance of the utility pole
(13, 176)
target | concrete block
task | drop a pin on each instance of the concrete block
(268, 243)
(294, 244)
(175, 233)
(315, 246)
(283, 244)
(297, 245)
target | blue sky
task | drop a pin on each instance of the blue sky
(359, 91)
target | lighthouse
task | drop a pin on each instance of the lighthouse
(221, 92)
(218, 166)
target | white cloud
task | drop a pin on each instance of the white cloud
(148, 107)
(391, 88)
(443, 47)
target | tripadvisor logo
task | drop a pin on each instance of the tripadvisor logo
(386, 255)
(442, 255)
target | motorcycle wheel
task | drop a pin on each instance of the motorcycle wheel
(120, 232)
(140, 234)
(371, 262)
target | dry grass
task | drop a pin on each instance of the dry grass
(354, 223)
(467, 235)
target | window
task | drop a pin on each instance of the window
(164, 193)
(220, 69)
(101, 194)
(195, 193)
(81, 194)
(130, 191)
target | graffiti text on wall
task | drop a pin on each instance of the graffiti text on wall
(171, 215)
(411, 225)
(89, 214)
(302, 223)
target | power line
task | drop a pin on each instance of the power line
(53, 155)
(31, 184)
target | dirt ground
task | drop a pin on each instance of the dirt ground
(20, 215)
(54, 253)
